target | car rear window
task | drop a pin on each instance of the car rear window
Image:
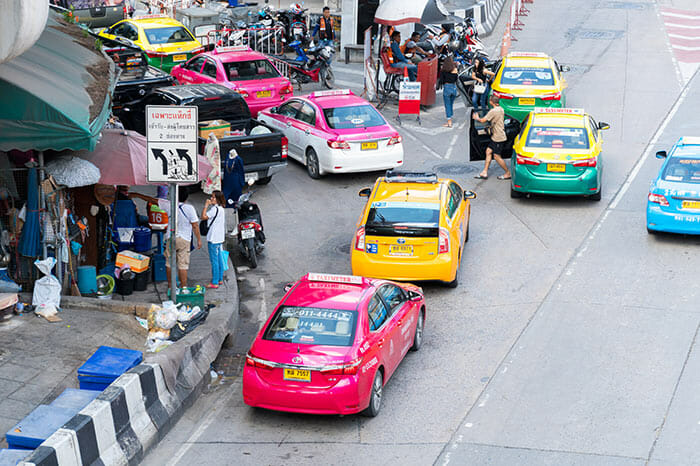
(250, 70)
(168, 35)
(358, 116)
(312, 326)
(527, 77)
(77, 4)
(682, 170)
(553, 137)
(403, 219)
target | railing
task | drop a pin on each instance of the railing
(264, 40)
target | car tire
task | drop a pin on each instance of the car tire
(515, 194)
(418, 335)
(466, 235)
(264, 180)
(375, 397)
(651, 232)
(454, 283)
(312, 167)
(597, 196)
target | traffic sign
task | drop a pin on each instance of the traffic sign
(409, 98)
(171, 137)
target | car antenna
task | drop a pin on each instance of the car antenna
(298, 348)
(406, 193)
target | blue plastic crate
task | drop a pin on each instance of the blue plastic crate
(10, 457)
(75, 399)
(95, 386)
(39, 425)
(107, 363)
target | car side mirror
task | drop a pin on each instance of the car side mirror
(414, 296)
(661, 154)
(273, 110)
(364, 192)
(469, 195)
(603, 125)
(564, 68)
(288, 287)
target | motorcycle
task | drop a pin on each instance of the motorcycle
(294, 20)
(266, 35)
(468, 37)
(233, 34)
(251, 235)
(310, 65)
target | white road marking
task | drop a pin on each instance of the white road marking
(262, 315)
(678, 36)
(681, 26)
(679, 15)
(683, 47)
(454, 140)
(428, 149)
(676, 65)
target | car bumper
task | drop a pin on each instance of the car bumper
(338, 161)
(584, 185)
(342, 398)
(672, 222)
(519, 112)
(258, 106)
(442, 268)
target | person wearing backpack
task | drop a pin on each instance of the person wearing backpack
(213, 225)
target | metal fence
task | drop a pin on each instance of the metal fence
(264, 40)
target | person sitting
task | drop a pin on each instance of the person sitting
(400, 61)
(412, 51)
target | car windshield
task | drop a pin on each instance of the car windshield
(359, 116)
(250, 70)
(553, 137)
(168, 35)
(312, 326)
(527, 77)
(681, 169)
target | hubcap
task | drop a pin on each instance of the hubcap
(377, 398)
(312, 164)
(419, 330)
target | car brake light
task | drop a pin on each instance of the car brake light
(443, 241)
(395, 139)
(555, 96)
(212, 98)
(342, 369)
(156, 54)
(243, 93)
(252, 361)
(285, 147)
(503, 95)
(338, 144)
(360, 239)
(586, 162)
(288, 89)
(520, 160)
(658, 199)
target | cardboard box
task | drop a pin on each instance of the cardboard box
(218, 127)
(136, 262)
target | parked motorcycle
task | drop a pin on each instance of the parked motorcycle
(266, 35)
(233, 34)
(310, 65)
(251, 235)
(294, 20)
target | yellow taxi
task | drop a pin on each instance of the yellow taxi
(413, 227)
(525, 80)
(558, 152)
(165, 41)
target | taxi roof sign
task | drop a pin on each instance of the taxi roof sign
(330, 93)
(564, 111)
(150, 16)
(528, 54)
(689, 140)
(232, 48)
(335, 278)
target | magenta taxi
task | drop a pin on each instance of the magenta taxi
(332, 343)
(239, 68)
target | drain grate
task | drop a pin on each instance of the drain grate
(623, 5)
(595, 34)
(455, 168)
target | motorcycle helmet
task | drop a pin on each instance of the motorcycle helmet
(453, 45)
(296, 8)
(326, 52)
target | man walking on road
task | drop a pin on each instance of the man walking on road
(495, 117)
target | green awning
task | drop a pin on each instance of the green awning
(57, 94)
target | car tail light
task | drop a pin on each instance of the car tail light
(288, 89)
(338, 145)
(360, 239)
(586, 162)
(156, 54)
(395, 139)
(520, 160)
(342, 369)
(196, 51)
(443, 241)
(212, 98)
(243, 93)
(252, 361)
(285, 147)
(555, 96)
(503, 95)
(658, 199)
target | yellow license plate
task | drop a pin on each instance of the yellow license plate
(526, 101)
(263, 94)
(694, 205)
(401, 250)
(556, 167)
(297, 374)
(368, 145)
(179, 57)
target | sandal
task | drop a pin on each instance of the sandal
(447, 125)
(211, 285)
(503, 177)
(481, 177)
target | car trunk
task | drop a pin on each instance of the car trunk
(263, 91)
(555, 164)
(362, 143)
(402, 242)
(683, 197)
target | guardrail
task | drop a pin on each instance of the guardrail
(264, 40)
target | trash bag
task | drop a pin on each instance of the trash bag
(183, 328)
(166, 317)
(47, 290)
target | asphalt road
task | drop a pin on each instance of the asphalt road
(571, 337)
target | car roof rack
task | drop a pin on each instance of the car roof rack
(398, 176)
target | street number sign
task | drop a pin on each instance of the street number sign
(171, 138)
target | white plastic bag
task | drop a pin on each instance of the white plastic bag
(187, 313)
(166, 317)
(47, 290)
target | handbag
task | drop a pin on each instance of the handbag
(204, 226)
(192, 246)
(479, 88)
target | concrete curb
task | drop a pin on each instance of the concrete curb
(93, 304)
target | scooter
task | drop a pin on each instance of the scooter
(312, 65)
(294, 20)
(251, 235)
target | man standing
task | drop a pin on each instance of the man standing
(326, 28)
(495, 117)
(400, 60)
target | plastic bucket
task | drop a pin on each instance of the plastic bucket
(141, 280)
(124, 287)
(87, 279)
(142, 239)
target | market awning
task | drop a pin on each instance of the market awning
(56, 95)
(396, 12)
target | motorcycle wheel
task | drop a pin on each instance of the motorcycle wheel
(327, 78)
(294, 76)
(250, 248)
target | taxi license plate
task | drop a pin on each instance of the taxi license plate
(260, 94)
(693, 205)
(247, 234)
(182, 57)
(556, 167)
(301, 375)
(251, 176)
(368, 146)
(400, 250)
(526, 101)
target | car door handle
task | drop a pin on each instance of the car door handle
(307, 131)
(247, 143)
(289, 124)
(380, 343)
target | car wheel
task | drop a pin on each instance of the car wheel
(418, 336)
(312, 164)
(454, 283)
(515, 194)
(264, 180)
(597, 196)
(375, 398)
(651, 232)
(466, 235)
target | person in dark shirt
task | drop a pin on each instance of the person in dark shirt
(325, 28)
(400, 61)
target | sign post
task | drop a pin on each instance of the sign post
(171, 139)
(409, 100)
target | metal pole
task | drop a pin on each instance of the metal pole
(172, 220)
(42, 202)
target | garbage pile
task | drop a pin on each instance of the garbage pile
(170, 322)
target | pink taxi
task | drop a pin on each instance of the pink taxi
(332, 344)
(239, 68)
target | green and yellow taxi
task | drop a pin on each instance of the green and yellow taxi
(528, 80)
(165, 41)
(558, 152)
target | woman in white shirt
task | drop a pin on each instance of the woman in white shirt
(215, 216)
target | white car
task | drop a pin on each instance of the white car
(336, 132)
